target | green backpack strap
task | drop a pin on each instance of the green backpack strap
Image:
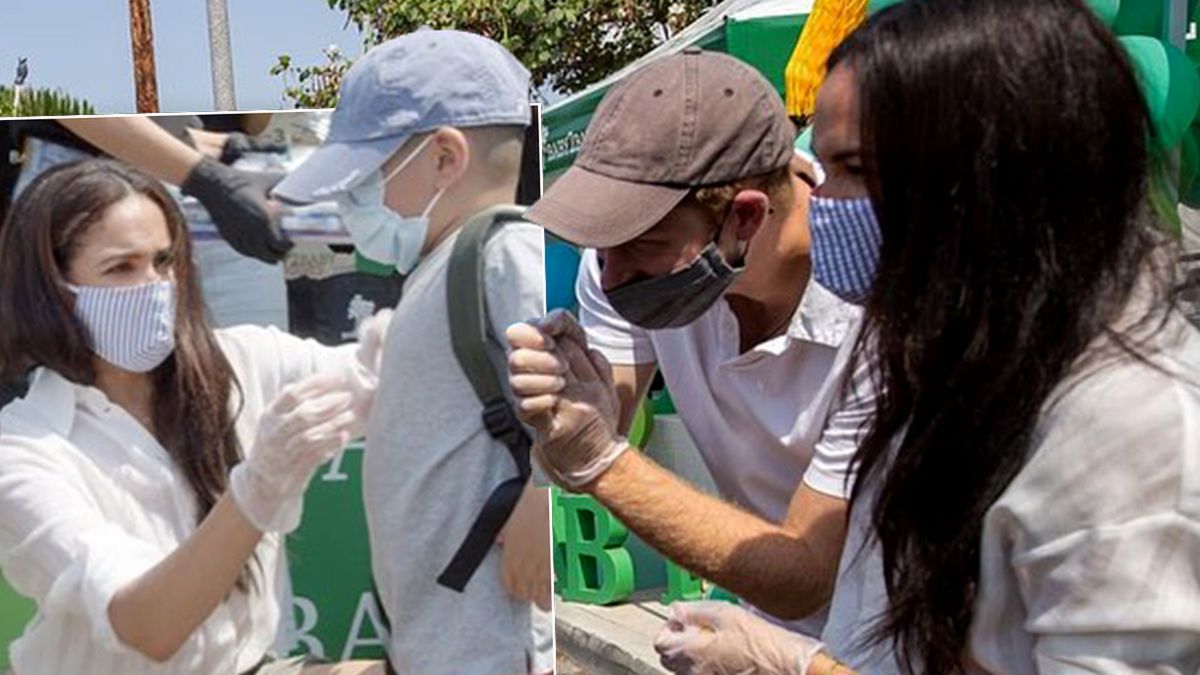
(467, 304)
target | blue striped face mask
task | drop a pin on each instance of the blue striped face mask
(132, 327)
(845, 246)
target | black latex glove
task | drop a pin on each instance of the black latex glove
(238, 144)
(237, 202)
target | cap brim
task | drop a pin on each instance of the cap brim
(595, 211)
(334, 168)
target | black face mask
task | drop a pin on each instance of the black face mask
(678, 298)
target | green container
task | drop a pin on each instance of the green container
(368, 266)
(642, 425)
(661, 403)
(15, 612)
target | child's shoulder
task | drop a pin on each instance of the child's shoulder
(515, 247)
(520, 233)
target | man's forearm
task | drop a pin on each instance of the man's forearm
(788, 572)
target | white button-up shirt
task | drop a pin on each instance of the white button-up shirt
(762, 420)
(1090, 559)
(90, 501)
(757, 418)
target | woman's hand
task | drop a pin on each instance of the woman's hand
(719, 638)
(362, 380)
(304, 427)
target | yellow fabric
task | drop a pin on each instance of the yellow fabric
(828, 24)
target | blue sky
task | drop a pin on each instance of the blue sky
(82, 46)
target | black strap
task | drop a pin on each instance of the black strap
(467, 303)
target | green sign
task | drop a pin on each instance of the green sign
(598, 562)
(337, 616)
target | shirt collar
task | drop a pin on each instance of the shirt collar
(822, 317)
(52, 398)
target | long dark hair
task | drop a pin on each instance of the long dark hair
(1007, 149)
(192, 414)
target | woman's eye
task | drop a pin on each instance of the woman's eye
(163, 260)
(120, 268)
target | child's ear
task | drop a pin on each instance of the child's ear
(453, 155)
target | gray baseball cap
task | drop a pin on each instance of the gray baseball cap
(406, 86)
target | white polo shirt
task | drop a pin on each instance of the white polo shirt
(763, 421)
(90, 501)
(757, 418)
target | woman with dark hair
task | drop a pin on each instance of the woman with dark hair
(1027, 491)
(1026, 497)
(149, 475)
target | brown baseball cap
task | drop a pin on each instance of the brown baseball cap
(688, 120)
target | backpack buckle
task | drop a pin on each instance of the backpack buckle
(502, 423)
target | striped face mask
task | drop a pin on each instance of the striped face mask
(132, 327)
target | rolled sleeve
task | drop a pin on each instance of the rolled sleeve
(622, 343)
(56, 546)
(277, 359)
(108, 561)
(829, 472)
(1137, 582)
(1090, 560)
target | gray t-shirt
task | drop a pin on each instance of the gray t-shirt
(430, 466)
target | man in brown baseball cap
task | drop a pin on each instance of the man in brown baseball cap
(696, 120)
(692, 205)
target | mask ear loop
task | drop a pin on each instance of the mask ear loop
(407, 160)
(433, 202)
(716, 243)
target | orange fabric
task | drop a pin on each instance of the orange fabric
(828, 24)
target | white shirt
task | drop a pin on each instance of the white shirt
(90, 501)
(756, 418)
(430, 466)
(1089, 557)
(763, 420)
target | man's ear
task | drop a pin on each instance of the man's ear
(452, 152)
(747, 212)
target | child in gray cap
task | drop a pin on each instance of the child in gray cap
(427, 136)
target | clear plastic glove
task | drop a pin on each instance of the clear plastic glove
(363, 379)
(719, 638)
(371, 334)
(565, 392)
(525, 548)
(237, 202)
(304, 427)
